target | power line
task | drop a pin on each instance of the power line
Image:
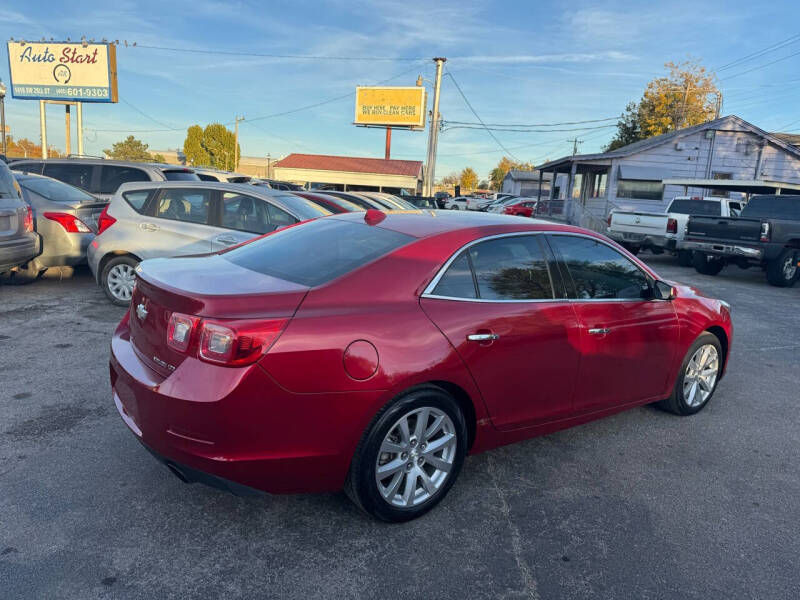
(279, 56)
(536, 124)
(761, 66)
(489, 131)
(489, 128)
(144, 114)
(759, 53)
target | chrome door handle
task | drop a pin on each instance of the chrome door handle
(599, 331)
(149, 226)
(482, 337)
(225, 239)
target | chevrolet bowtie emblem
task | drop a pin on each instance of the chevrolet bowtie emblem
(141, 312)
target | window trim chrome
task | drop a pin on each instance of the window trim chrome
(428, 291)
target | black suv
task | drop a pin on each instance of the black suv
(102, 177)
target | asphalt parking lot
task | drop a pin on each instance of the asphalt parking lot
(640, 505)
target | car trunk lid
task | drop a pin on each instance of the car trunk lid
(201, 286)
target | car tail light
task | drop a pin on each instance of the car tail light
(672, 225)
(70, 223)
(764, 232)
(104, 221)
(229, 343)
(27, 222)
(179, 331)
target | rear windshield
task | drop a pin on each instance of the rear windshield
(7, 187)
(316, 252)
(696, 207)
(56, 191)
(302, 208)
(773, 207)
(181, 176)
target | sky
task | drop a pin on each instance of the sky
(517, 62)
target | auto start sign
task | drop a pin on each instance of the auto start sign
(79, 72)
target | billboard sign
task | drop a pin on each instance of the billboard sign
(391, 107)
(79, 72)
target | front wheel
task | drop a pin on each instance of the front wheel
(782, 272)
(685, 258)
(117, 279)
(697, 378)
(454, 207)
(707, 265)
(409, 457)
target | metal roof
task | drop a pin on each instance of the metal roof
(718, 124)
(741, 185)
(351, 164)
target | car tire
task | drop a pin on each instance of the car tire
(693, 390)
(632, 249)
(706, 265)
(454, 207)
(115, 277)
(403, 494)
(685, 258)
(783, 271)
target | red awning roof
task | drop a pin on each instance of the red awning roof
(353, 164)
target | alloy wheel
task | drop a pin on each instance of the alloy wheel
(701, 375)
(789, 268)
(416, 457)
(120, 280)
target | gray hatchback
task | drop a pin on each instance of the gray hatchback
(176, 218)
(19, 243)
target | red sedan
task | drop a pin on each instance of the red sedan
(372, 351)
(521, 209)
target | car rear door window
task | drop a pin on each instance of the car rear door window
(598, 271)
(137, 199)
(507, 268)
(187, 205)
(113, 177)
(73, 174)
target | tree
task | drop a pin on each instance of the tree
(451, 179)
(628, 128)
(130, 149)
(687, 96)
(483, 185)
(25, 148)
(499, 173)
(468, 178)
(212, 146)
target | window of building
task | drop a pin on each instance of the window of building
(639, 189)
(599, 182)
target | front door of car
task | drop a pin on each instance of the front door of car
(177, 223)
(496, 305)
(628, 339)
(243, 217)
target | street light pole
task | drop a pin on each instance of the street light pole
(3, 115)
(433, 136)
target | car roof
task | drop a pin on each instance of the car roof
(240, 188)
(106, 161)
(426, 223)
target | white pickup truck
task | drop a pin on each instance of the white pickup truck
(664, 231)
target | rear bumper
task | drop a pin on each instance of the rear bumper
(236, 424)
(724, 249)
(19, 251)
(68, 249)
(641, 239)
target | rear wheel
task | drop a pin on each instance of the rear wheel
(409, 457)
(782, 271)
(697, 378)
(117, 279)
(706, 264)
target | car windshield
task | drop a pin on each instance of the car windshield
(316, 252)
(181, 175)
(710, 208)
(56, 191)
(7, 187)
(302, 208)
(773, 207)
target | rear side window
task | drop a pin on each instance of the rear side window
(316, 252)
(137, 199)
(696, 207)
(181, 175)
(189, 206)
(598, 271)
(75, 174)
(8, 187)
(113, 177)
(253, 215)
(508, 268)
(773, 207)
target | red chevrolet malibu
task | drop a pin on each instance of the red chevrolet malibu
(373, 351)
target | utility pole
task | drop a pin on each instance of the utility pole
(433, 136)
(68, 132)
(43, 127)
(80, 128)
(236, 145)
(3, 116)
(575, 143)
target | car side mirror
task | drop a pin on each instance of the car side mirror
(663, 291)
